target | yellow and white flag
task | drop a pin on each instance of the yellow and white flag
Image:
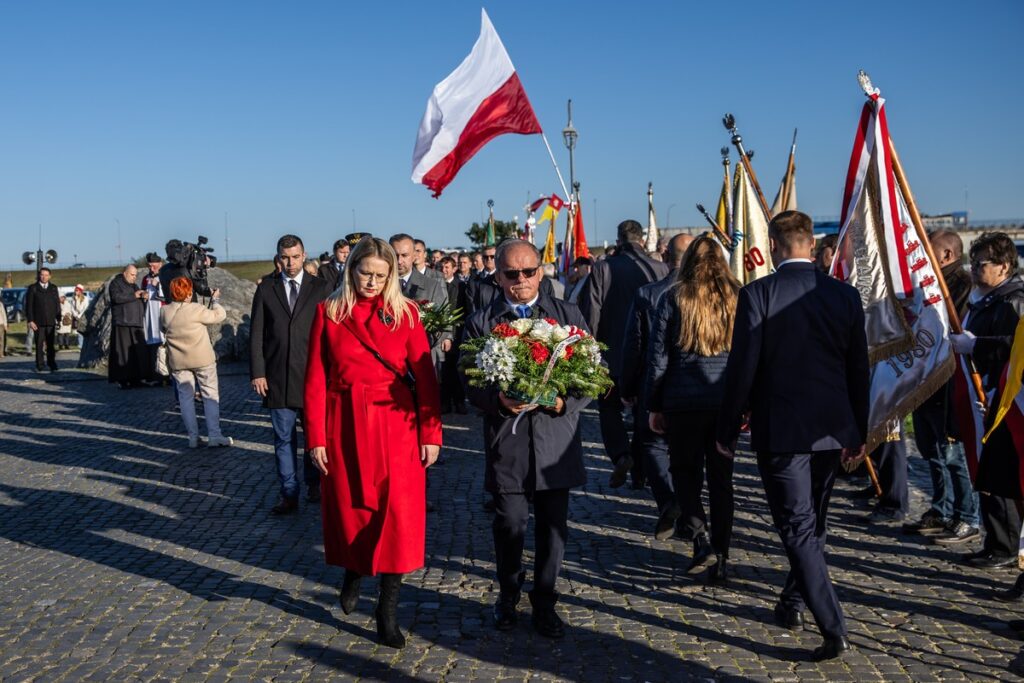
(549, 245)
(749, 260)
(785, 199)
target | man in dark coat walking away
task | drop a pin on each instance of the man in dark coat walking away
(129, 357)
(540, 463)
(42, 309)
(801, 423)
(605, 301)
(283, 309)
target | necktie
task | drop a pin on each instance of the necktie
(523, 310)
(405, 285)
(293, 294)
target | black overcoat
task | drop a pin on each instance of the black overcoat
(126, 309)
(546, 452)
(279, 339)
(42, 306)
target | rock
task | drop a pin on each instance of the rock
(230, 338)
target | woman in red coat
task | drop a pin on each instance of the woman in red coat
(372, 408)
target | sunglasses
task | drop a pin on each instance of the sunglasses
(514, 274)
(488, 257)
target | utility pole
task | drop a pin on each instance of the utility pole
(226, 240)
(120, 261)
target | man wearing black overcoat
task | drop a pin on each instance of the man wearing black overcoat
(605, 300)
(283, 309)
(799, 364)
(42, 309)
(538, 464)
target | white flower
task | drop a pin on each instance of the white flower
(522, 325)
(541, 331)
(559, 334)
(496, 361)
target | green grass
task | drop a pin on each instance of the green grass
(92, 278)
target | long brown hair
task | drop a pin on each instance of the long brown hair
(705, 292)
(339, 304)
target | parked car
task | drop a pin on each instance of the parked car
(76, 265)
(14, 303)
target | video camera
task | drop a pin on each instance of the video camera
(195, 260)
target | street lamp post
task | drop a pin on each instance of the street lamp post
(569, 137)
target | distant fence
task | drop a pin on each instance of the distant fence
(14, 267)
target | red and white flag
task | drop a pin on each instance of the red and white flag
(477, 102)
(879, 253)
(968, 414)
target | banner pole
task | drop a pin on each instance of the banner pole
(554, 163)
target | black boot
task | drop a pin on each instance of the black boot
(350, 591)
(387, 608)
(703, 554)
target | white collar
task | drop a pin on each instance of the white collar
(794, 260)
(531, 303)
(297, 278)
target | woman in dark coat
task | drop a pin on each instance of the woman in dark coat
(372, 412)
(129, 361)
(685, 383)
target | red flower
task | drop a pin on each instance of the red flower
(568, 352)
(551, 321)
(423, 302)
(539, 352)
(505, 330)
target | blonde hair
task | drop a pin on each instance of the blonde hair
(340, 303)
(705, 292)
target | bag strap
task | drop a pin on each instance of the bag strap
(405, 377)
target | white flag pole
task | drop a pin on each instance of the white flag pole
(554, 163)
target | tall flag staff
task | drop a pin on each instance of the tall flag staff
(651, 237)
(719, 233)
(723, 214)
(729, 121)
(490, 239)
(785, 199)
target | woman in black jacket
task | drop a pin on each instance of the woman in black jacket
(685, 383)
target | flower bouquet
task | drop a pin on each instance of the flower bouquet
(438, 318)
(536, 360)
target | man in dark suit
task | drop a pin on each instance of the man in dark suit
(483, 287)
(540, 463)
(331, 271)
(647, 445)
(799, 363)
(42, 310)
(282, 315)
(605, 301)
(453, 397)
(420, 287)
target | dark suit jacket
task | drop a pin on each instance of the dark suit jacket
(547, 451)
(126, 310)
(279, 339)
(328, 272)
(635, 339)
(42, 306)
(608, 294)
(799, 362)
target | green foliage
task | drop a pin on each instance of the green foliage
(477, 233)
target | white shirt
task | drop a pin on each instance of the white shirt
(297, 278)
(531, 303)
(794, 260)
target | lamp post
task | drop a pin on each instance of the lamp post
(569, 136)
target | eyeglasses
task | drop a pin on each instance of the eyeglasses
(488, 257)
(978, 265)
(514, 274)
(368, 277)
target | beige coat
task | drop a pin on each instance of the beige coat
(188, 341)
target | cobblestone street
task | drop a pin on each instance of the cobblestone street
(125, 556)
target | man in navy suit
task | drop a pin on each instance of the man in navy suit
(799, 364)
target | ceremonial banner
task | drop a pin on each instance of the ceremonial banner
(549, 246)
(785, 198)
(969, 417)
(879, 253)
(749, 260)
(477, 102)
(723, 214)
(651, 238)
(579, 238)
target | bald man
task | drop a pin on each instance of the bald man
(650, 448)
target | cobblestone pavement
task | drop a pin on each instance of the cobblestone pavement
(125, 556)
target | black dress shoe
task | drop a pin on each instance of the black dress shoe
(1014, 593)
(703, 554)
(990, 561)
(830, 649)
(790, 618)
(505, 616)
(313, 494)
(719, 573)
(621, 471)
(547, 622)
(667, 522)
(285, 506)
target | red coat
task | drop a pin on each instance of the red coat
(374, 495)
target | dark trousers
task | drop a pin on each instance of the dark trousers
(613, 428)
(285, 422)
(892, 475)
(798, 487)
(551, 528)
(452, 391)
(651, 450)
(46, 335)
(691, 444)
(1002, 525)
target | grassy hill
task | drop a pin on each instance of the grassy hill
(92, 278)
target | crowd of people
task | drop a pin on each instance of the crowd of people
(340, 354)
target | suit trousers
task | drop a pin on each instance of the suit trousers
(798, 487)
(286, 448)
(891, 457)
(46, 336)
(452, 391)
(1002, 525)
(551, 528)
(651, 450)
(691, 443)
(613, 427)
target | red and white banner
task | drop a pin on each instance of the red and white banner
(477, 102)
(880, 254)
(967, 411)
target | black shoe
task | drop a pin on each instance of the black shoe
(349, 597)
(637, 481)
(968, 557)
(957, 533)
(505, 616)
(547, 622)
(788, 617)
(929, 524)
(884, 515)
(830, 649)
(1018, 626)
(991, 561)
(388, 632)
(667, 522)
(703, 554)
(285, 506)
(313, 494)
(866, 493)
(1013, 594)
(621, 471)
(53, 368)
(719, 573)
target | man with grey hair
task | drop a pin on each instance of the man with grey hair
(537, 465)
(551, 276)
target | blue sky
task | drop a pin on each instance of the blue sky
(290, 116)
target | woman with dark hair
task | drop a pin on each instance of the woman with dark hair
(994, 307)
(372, 411)
(686, 362)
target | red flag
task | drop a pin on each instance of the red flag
(579, 237)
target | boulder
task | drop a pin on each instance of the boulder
(230, 338)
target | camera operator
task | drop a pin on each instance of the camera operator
(185, 259)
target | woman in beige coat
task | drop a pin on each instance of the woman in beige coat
(191, 359)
